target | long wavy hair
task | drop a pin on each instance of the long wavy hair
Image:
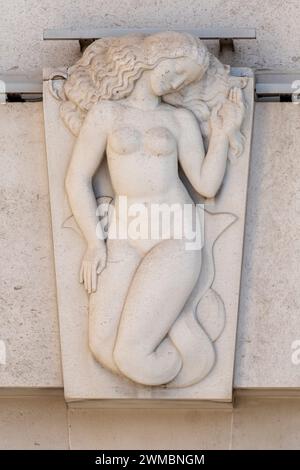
(109, 68)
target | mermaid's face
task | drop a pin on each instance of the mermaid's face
(173, 74)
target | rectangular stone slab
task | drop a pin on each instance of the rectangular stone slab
(84, 378)
(267, 353)
(29, 335)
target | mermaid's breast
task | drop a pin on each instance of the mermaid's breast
(125, 140)
(156, 141)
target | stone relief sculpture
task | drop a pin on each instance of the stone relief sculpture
(156, 119)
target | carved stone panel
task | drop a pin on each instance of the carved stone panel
(148, 144)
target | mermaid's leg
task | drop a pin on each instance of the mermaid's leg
(107, 302)
(156, 297)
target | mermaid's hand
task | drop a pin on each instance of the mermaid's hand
(93, 263)
(228, 117)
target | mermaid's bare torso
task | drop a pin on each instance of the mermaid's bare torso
(143, 158)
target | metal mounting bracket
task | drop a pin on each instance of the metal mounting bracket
(225, 37)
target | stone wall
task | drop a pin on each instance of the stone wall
(265, 413)
(22, 23)
(33, 413)
(268, 320)
(42, 422)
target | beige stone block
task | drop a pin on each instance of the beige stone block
(23, 50)
(87, 376)
(266, 424)
(149, 429)
(33, 423)
(29, 324)
(269, 321)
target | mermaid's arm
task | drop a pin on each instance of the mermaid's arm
(205, 172)
(87, 155)
(86, 158)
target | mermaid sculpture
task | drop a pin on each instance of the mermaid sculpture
(156, 119)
